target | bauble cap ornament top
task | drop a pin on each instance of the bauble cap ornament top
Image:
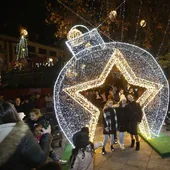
(78, 41)
(74, 33)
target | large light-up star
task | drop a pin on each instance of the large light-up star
(119, 61)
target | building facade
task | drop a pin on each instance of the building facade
(41, 59)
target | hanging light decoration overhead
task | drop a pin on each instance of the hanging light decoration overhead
(143, 23)
(24, 32)
(113, 14)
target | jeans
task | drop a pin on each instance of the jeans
(121, 137)
(106, 137)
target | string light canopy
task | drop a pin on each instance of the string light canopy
(91, 66)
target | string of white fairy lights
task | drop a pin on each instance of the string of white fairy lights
(92, 5)
(101, 9)
(123, 19)
(166, 30)
(72, 111)
(83, 18)
(137, 23)
(108, 16)
(88, 21)
(142, 71)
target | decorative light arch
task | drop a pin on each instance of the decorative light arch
(139, 68)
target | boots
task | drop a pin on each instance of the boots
(137, 146)
(132, 143)
(103, 151)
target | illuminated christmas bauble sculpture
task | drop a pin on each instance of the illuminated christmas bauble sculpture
(90, 65)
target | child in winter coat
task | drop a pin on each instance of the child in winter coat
(38, 132)
(37, 119)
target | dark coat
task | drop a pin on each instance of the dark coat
(27, 107)
(19, 150)
(111, 126)
(135, 112)
(19, 108)
(123, 118)
(135, 116)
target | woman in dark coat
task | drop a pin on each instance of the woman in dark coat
(135, 117)
(123, 120)
(109, 124)
(19, 149)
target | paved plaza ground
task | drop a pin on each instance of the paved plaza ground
(129, 159)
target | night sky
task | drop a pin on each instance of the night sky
(29, 14)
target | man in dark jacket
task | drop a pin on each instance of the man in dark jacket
(18, 105)
(135, 117)
(27, 106)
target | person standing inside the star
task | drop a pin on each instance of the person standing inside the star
(123, 121)
(121, 94)
(133, 92)
(109, 124)
(135, 117)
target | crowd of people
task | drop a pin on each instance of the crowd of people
(119, 113)
(25, 143)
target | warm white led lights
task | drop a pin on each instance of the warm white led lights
(139, 68)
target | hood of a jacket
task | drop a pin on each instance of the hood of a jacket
(5, 129)
(11, 138)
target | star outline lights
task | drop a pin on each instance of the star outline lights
(116, 59)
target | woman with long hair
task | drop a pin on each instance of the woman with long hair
(18, 147)
(82, 155)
